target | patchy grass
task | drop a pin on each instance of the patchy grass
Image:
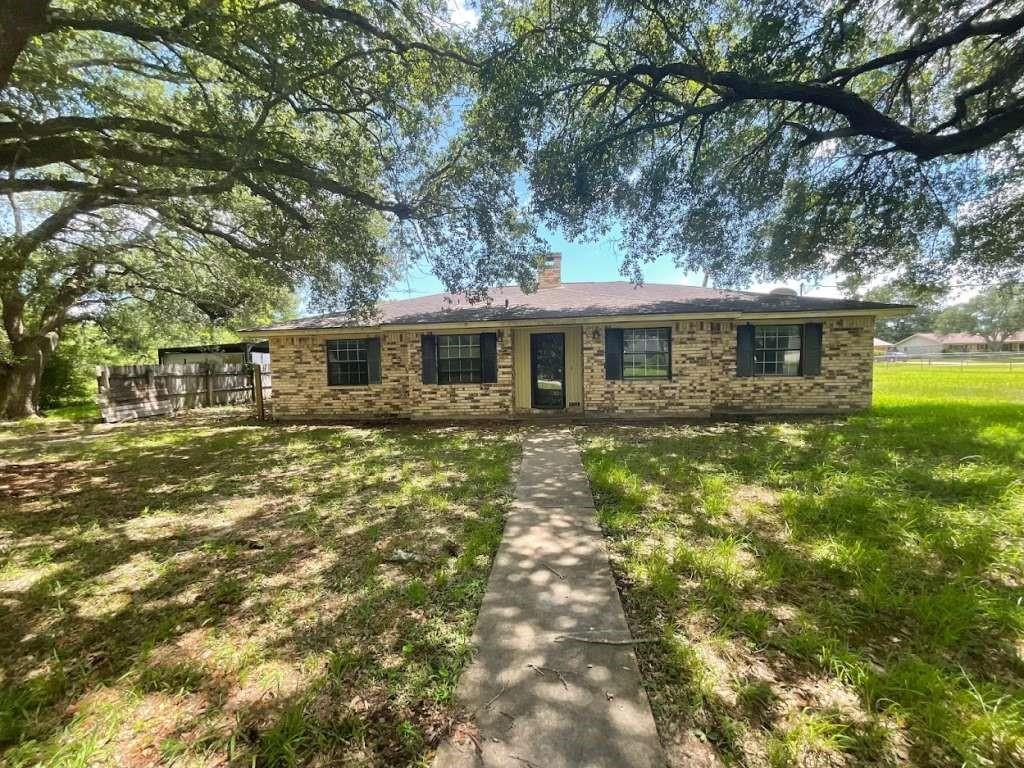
(209, 591)
(835, 591)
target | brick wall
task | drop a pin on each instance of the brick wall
(446, 401)
(844, 383)
(703, 380)
(687, 393)
(299, 366)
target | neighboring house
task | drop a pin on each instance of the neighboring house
(881, 346)
(920, 344)
(937, 343)
(239, 352)
(585, 349)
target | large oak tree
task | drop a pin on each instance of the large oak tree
(770, 138)
(206, 150)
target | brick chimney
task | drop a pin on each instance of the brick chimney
(550, 271)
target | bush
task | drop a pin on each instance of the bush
(70, 377)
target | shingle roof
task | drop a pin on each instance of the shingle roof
(570, 300)
(973, 338)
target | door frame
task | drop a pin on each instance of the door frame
(533, 372)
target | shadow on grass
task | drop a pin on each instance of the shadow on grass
(215, 589)
(878, 555)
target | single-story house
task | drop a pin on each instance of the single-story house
(257, 352)
(580, 349)
(938, 343)
(881, 346)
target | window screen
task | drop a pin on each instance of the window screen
(458, 359)
(777, 350)
(645, 353)
(347, 364)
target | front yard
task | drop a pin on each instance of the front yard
(838, 592)
(208, 591)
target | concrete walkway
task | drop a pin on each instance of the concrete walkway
(539, 697)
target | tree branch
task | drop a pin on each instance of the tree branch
(864, 119)
(38, 153)
(960, 33)
(364, 24)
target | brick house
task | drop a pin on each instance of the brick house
(578, 349)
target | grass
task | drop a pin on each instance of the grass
(830, 591)
(210, 591)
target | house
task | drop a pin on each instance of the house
(578, 349)
(881, 346)
(938, 343)
(240, 352)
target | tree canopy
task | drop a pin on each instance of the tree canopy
(995, 314)
(216, 151)
(762, 139)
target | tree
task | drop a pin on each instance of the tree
(202, 151)
(927, 301)
(764, 140)
(994, 314)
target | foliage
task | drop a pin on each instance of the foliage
(756, 140)
(927, 301)
(995, 314)
(207, 591)
(854, 600)
(220, 152)
(69, 377)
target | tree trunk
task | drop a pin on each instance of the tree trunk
(21, 377)
(20, 20)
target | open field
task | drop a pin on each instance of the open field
(830, 592)
(207, 590)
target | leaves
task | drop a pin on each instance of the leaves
(768, 140)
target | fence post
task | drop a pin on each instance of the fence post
(257, 390)
(209, 385)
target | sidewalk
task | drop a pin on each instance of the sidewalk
(541, 696)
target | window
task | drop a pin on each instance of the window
(645, 353)
(347, 363)
(459, 360)
(777, 350)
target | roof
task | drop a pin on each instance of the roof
(959, 338)
(882, 343)
(577, 300)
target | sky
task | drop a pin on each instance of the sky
(597, 262)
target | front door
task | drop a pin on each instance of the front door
(547, 369)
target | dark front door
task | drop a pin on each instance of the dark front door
(547, 369)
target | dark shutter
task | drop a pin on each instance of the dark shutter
(669, 329)
(373, 360)
(745, 350)
(332, 378)
(811, 355)
(613, 353)
(429, 348)
(489, 357)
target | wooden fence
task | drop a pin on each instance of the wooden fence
(135, 391)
